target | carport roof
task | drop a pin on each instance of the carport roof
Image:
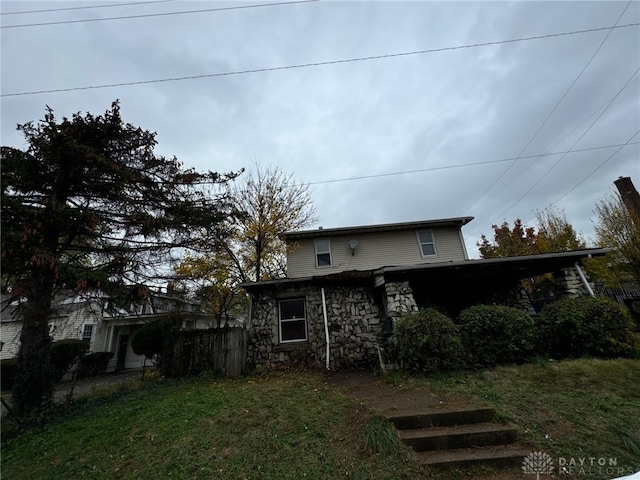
(513, 267)
(508, 267)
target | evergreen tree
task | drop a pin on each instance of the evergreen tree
(88, 204)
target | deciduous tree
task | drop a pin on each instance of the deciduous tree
(509, 242)
(272, 203)
(268, 203)
(555, 233)
(89, 204)
(619, 229)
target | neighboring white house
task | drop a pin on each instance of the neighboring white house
(92, 317)
(75, 317)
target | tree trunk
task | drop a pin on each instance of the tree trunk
(34, 385)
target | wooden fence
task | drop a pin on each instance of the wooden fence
(218, 350)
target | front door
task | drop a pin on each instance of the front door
(123, 341)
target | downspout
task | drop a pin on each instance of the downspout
(326, 324)
(584, 280)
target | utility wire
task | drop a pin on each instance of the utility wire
(531, 164)
(26, 12)
(574, 144)
(318, 64)
(164, 14)
(553, 110)
(461, 165)
(628, 142)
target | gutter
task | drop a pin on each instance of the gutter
(326, 324)
(585, 283)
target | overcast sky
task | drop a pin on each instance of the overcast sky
(426, 113)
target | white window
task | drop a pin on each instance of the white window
(427, 244)
(293, 322)
(323, 252)
(87, 332)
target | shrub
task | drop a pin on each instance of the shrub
(155, 339)
(428, 341)
(94, 363)
(64, 353)
(8, 372)
(575, 327)
(496, 334)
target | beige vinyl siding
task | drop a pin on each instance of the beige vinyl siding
(374, 250)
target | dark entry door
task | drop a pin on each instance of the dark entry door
(123, 341)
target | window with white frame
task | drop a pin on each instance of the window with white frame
(293, 321)
(427, 244)
(87, 332)
(323, 252)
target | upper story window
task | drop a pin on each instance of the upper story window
(323, 252)
(427, 244)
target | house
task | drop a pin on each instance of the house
(346, 286)
(74, 317)
(105, 325)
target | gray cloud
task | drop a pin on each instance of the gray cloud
(361, 118)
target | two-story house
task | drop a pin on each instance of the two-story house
(345, 286)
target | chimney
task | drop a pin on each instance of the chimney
(629, 194)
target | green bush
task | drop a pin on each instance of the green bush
(496, 334)
(155, 339)
(575, 327)
(8, 372)
(94, 363)
(64, 353)
(428, 341)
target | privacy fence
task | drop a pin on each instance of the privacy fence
(218, 350)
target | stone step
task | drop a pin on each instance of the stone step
(440, 418)
(459, 436)
(503, 457)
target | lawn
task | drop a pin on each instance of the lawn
(275, 426)
(571, 409)
(293, 425)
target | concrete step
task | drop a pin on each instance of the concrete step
(440, 418)
(503, 457)
(459, 436)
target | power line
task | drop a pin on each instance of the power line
(553, 110)
(26, 12)
(461, 165)
(574, 144)
(164, 14)
(318, 64)
(628, 142)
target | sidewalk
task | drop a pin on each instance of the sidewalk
(106, 381)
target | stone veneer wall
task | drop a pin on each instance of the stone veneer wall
(354, 322)
(568, 283)
(399, 299)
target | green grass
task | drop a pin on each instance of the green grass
(571, 409)
(293, 425)
(276, 426)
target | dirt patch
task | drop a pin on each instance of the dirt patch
(373, 391)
